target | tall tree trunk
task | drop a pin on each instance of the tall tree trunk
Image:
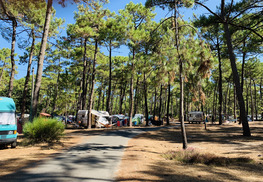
(160, 104)
(187, 104)
(79, 104)
(92, 83)
(243, 65)
(131, 88)
(109, 89)
(123, 91)
(99, 99)
(172, 109)
(154, 107)
(84, 76)
(165, 103)
(214, 104)
(13, 69)
(247, 98)
(255, 96)
(168, 103)
(220, 83)
(112, 98)
(235, 102)
(216, 107)
(260, 96)
(145, 99)
(229, 99)
(184, 138)
(136, 96)
(243, 116)
(225, 103)
(23, 105)
(252, 102)
(103, 98)
(42, 56)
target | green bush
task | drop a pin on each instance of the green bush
(43, 130)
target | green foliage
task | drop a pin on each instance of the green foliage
(43, 130)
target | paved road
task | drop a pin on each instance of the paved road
(97, 159)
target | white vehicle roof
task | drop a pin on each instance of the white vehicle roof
(94, 112)
(195, 112)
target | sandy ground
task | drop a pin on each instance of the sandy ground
(143, 159)
(25, 156)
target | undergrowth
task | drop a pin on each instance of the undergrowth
(191, 156)
(43, 130)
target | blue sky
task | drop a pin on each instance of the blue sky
(68, 14)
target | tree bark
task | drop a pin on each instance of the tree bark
(168, 103)
(13, 69)
(123, 90)
(154, 107)
(247, 98)
(109, 89)
(220, 83)
(172, 109)
(235, 102)
(243, 65)
(92, 83)
(136, 96)
(79, 104)
(112, 98)
(23, 105)
(99, 99)
(184, 138)
(243, 116)
(227, 90)
(160, 103)
(84, 77)
(42, 56)
(252, 102)
(103, 98)
(255, 96)
(229, 99)
(131, 88)
(145, 100)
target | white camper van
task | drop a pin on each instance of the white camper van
(195, 116)
(98, 118)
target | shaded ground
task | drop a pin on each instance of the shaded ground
(143, 160)
(26, 156)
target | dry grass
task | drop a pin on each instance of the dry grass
(144, 161)
(191, 156)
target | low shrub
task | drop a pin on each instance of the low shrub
(191, 156)
(43, 130)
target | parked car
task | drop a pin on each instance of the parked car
(63, 118)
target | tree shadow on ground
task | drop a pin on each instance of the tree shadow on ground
(216, 134)
(170, 172)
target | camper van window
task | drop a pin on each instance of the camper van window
(7, 118)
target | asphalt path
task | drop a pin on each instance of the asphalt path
(96, 159)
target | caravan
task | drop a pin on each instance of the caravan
(8, 123)
(195, 116)
(98, 118)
